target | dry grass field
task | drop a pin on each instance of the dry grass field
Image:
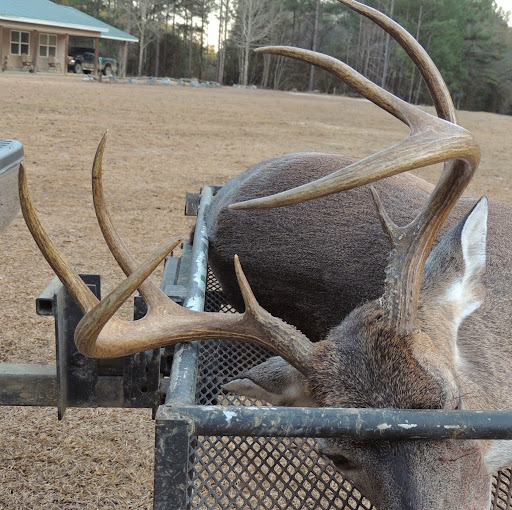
(163, 141)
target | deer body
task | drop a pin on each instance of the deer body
(312, 251)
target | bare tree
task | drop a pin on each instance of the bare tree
(386, 50)
(280, 67)
(413, 73)
(157, 49)
(256, 20)
(225, 14)
(143, 16)
(314, 45)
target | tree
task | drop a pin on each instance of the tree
(146, 21)
(469, 41)
(225, 15)
(314, 44)
(255, 21)
(91, 7)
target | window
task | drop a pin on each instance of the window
(20, 42)
(47, 45)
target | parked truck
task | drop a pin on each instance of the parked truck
(81, 60)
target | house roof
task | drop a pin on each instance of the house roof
(45, 12)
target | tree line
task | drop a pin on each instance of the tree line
(469, 40)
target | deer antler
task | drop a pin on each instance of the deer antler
(99, 334)
(148, 289)
(431, 140)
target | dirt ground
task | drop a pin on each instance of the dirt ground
(163, 141)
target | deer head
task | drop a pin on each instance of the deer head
(364, 363)
(398, 351)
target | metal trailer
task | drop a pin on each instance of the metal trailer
(213, 450)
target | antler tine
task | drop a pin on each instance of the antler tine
(157, 301)
(101, 335)
(73, 283)
(428, 70)
(95, 336)
(438, 90)
(431, 140)
(151, 293)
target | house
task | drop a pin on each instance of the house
(35, 34)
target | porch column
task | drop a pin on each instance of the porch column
(35, 49)
(125, 58)
(1, 45)
(96, 55)
(66, 49)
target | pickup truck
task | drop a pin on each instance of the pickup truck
(81, 60)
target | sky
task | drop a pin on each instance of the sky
(507, 6)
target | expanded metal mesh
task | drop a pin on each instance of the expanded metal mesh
(257, 473)
(502, 491)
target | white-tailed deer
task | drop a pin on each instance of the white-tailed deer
(395, 323)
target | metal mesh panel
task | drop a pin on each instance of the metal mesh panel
(502, 491)
(256, 473)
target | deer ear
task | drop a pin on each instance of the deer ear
(274, 381)
(454, 273)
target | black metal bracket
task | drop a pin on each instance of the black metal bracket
(191, 204)
(77, 375)
(192, 200)
(132, 381)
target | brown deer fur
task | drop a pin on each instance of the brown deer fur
(314, 264)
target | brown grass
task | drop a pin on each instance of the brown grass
(164, 141)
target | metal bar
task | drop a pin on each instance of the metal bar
(28, 384)
(109, 393)
(329, 422)
(182, 383)
(44, 302)
(171, 465)
(198, 269)
(168, 285)
(182, 386)
(32, 384)
(172, 434)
